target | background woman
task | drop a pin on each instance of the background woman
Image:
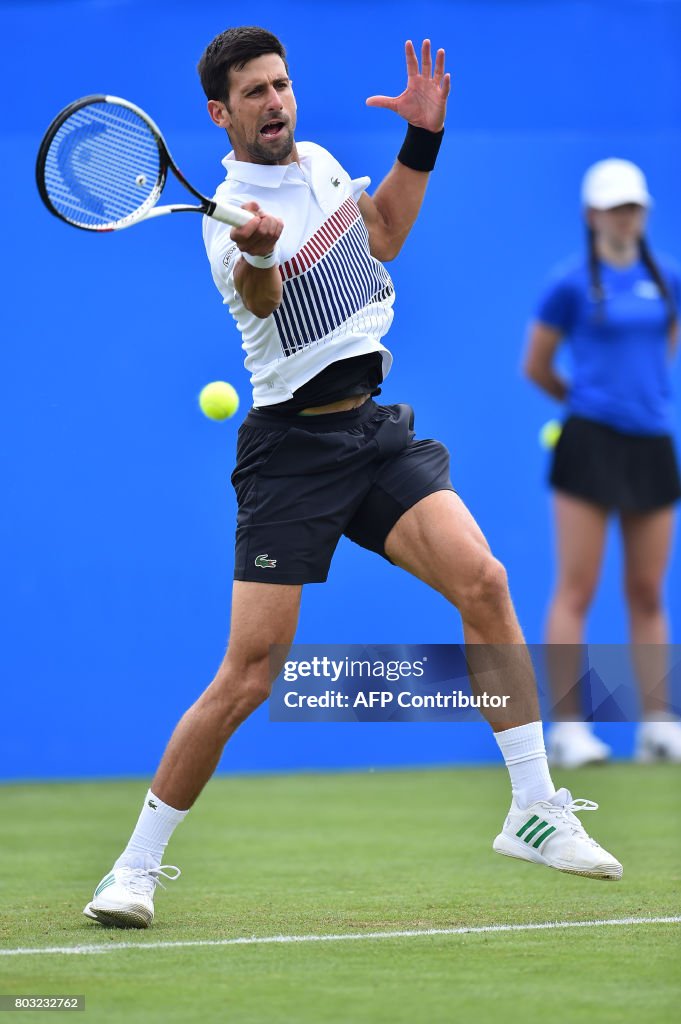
(617, 309)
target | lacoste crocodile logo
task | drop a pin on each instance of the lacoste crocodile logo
(263, 562)
(335, 182)
(150, 803)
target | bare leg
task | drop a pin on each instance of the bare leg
(580, 540)
(438, 541)
(647, 545)
(263, 614)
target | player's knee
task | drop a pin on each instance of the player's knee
(487, 591)
(241, 687)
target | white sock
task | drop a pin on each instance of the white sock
(525, 757)
(153, 830)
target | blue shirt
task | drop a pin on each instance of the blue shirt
(619, 347)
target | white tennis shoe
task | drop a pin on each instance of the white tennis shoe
(548, 832)
(125, 897)
(572, 745)
(659, 741)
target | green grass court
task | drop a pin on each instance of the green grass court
(314, 855)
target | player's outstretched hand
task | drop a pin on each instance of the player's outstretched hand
(260, 235)
(424, 102)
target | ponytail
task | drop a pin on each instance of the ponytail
(597, 293)
(651, 266)
(654, 271)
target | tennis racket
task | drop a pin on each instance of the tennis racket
(103, 164)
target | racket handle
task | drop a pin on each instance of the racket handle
(233, 215)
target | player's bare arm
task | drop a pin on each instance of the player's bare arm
(538, 366)
(390, 213)
(259, 287)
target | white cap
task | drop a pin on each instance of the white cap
(612, 183)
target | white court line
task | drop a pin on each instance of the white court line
(268, 940)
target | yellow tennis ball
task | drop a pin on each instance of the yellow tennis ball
(218, 400)
(549, 434)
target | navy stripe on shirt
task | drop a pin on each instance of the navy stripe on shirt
(332, 277)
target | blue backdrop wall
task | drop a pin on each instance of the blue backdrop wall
(117, 514)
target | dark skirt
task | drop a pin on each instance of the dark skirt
(622, 472)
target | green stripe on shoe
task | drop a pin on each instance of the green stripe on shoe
(535, 817)
(545, 835)
(104, 884)
(537, 828)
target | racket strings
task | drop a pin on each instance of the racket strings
(103, 166)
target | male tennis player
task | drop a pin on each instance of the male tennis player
(317, 458)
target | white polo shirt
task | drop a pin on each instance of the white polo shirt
(337, 299)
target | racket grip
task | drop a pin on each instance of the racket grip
(233, 215)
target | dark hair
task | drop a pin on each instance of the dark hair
(651, 266)
(233, 48)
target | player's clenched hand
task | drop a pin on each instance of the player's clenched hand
(259, 236)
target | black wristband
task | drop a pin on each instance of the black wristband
(420, 148)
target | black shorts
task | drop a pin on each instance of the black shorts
(621, 472)
(303, 481)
